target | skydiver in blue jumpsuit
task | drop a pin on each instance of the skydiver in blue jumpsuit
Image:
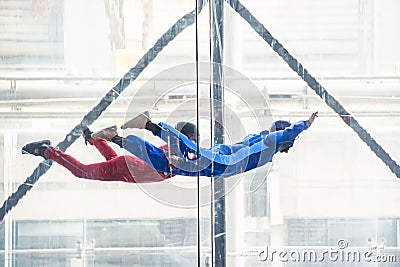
(220, 160)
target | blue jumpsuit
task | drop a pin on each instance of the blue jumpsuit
(220, 160)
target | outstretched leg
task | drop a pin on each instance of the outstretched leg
(91, 171)
(113, 170)
(103, 147)
(121, 168)
(100, 142)
(147, 152)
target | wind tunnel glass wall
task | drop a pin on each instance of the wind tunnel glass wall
(330, 190)
(60, 58)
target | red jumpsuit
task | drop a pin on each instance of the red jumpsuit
(127, 168)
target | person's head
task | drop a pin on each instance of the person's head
(188, 129)
(279, 126)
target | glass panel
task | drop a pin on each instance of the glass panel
(61, 60)
(2, 170)
(47, 234)
(44, 259)
(2, 239)
(330, 187)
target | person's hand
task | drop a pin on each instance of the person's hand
(312, 118)
(191, 156)
(173, 161)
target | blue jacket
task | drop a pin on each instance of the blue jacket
(218, 161)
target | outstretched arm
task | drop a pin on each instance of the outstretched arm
(290, 133)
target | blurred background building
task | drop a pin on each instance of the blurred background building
(58, 58)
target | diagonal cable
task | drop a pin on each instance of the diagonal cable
(107, 100)
(296, 66)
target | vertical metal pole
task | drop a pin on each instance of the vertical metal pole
(147, 25)
(10, 142)
(217, 12)
(199, 4)
(366, 44)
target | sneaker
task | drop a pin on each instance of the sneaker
(36, 148)
(138, 122)
(107, 133)
(86, 133)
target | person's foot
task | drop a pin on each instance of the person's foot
(86, 133)
(36, 148)
(107, 133)
(138, 122)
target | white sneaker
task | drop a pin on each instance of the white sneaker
(139, 122)
(107, 133)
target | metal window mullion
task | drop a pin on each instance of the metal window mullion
(217, 38)
(10, 142)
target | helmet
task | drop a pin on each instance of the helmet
(279, 125)
(188, 129)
